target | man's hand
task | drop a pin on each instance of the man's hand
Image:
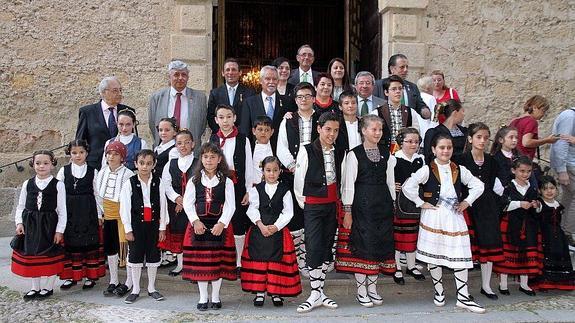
(130, 236)
(564, 178)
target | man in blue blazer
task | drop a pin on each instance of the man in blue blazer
(97, 122)
(231, 93)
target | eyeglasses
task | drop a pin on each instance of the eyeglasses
(306, 55)
(362, 83)
(395, 89)
(411, 142)
(116, 91)
(302, 97)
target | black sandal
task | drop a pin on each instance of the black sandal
(398, 279)
(68, 283)
(415, 273)
(277, 301)
(121, 290)
(259, 301)
(31, 295)
(88, 284)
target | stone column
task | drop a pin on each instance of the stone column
(191, 41)
(402, 25)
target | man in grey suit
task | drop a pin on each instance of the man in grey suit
(305, 57)
(366, 101)
(188, 106)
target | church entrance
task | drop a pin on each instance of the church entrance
(257, 32)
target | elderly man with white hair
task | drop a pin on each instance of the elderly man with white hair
(97, 122)
(186, 105)
(267, 103)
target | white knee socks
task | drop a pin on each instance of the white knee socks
(129, 277)
(410, 259)
(523, 279)
(503, 281)
(152, 273)
(486, 269)
(136, 275)
(180, 265)
(397, 260)
(203, 287)
(113, 266)
(36, 284)
(216, 285)
(239, 241)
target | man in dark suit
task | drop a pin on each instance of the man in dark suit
(398, 65)
(231, 93)
(267, 103)
(98, 122)
(186, 105)
(366, 101)
(304, 73)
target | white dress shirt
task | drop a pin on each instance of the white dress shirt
(106, 112)
(266, 102)
(184, 163)
(301, 170)
(80, 172)
(235, 90)
(184, 111)
(369, 101)
(110, 183)
(229, 148)
(126, 203)
(282, 150)
(229, 203)
(164, 146)
(353, 135)
(261, 151)
(308, 73)
(254, 209)
(60, 206)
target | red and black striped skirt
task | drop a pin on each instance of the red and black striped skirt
(346, 262)
(276, 278)
(482, 254)
(405, 234)
(524, 261)
(37, 266)
(173, 242)
(208, 261)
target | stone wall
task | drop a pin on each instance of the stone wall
(498, 53)
(53, 54)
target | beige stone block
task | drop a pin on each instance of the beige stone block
(385, 5)
(193, 18)
(22, 81)
(404, 26)
(198, 77)
(189, 47)
(415, 52)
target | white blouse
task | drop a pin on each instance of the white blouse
(229, 203)
(261, 151)
(184, 163)
(126, 203)
(349, 175)
(353, 135)
(60, 207)
(254, 213)
(80, 172)
(411, 186)
(229, 148)
(110, 183)
(163, 147)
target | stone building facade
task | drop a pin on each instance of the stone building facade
(496, 53)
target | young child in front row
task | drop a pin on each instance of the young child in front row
(110, 181)
(126, 125)
(144, 213)
(262, 131)
(209, 253)
(40, 224)
(557, 267)
(443, 239)
(84, 255)
(175, 177)
(167, 130)
(316, 181)
(520, 229)
(238, 155)
(269, 261)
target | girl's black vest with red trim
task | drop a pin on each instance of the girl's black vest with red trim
(176, 174)
(138, 199)
(383, 112)
(432, 187)
(315, 179)
(210, 201)
(239, 161)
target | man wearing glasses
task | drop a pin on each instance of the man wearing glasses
(304, 73)
(97, 122)
(366, 101)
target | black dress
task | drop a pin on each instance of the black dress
(503, 168)
(458, 142)
(557, 267)
(483, 217)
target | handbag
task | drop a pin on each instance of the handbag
(405, 208)
(17, 242)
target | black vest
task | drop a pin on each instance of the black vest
(217, 196)
(239, 161)
(161, 160)
(270, 208)
(432, 188)
(84, 185)
(384, 113)
(315, 180)
(49, 196)
(404, 168)
(176, 174)
(293, 135)
(138, 199)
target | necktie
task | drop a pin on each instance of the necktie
(231, 95)
(364, 108)
(270, 112)
(404, 98)
(178, 108)
(305, 77)
(112, 125)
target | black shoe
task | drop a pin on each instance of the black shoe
(490, 296)
(110, 290)
(277, 301)
(44, 293)
(166, 263)
(503, 291)
(89, 284)
(216, 305)
(68, 284)
(174, 273)
(202, 306)
(131, 298)
(398, 280)
(156, 295)
(31, 295)
(417, 275)
(121, 290)
(239, 271)
(526, 291)
(259, 301)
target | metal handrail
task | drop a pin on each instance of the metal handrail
(20, 168)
